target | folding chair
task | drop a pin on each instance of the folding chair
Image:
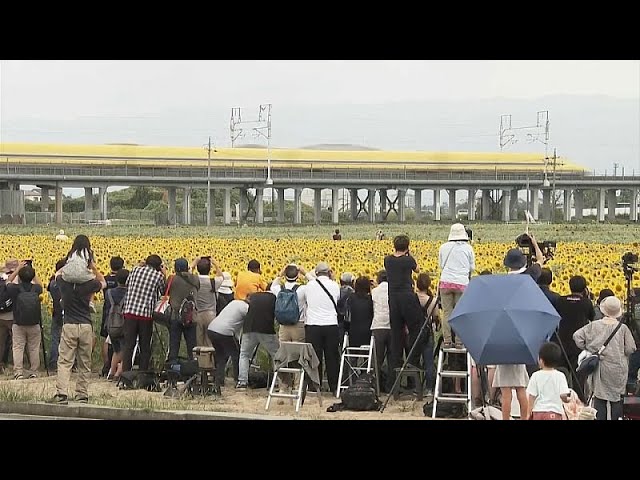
(355, 360)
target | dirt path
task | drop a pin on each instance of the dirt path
(103, 392)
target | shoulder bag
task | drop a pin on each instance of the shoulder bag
(588, 362)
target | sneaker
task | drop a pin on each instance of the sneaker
(447, 345)
(18, 376)
(428, 395)
(33, 375)
(59, 399)
(459, 346)
(241, 386)
(80, 399)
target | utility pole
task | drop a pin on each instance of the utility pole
(209, 183)
(615, 169)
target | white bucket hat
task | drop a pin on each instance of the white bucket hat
(611, 307)
(457, 232)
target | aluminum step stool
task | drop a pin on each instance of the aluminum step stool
(298, 393)
(352, 358)
(439, 396)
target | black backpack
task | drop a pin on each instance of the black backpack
(6, 304)
(361, 396)
(115, 317)
(27, 310)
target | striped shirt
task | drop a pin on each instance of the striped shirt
(145, 286)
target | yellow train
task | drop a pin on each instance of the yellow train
(180, 157)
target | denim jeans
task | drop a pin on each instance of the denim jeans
(249, 343)
(176, 331)
(56, 330)
(634, 365)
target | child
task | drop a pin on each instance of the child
(77, 269)
(548, 387)
(79, 258)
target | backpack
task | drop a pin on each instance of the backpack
(187, 310)
(139, 380)
(361, 396)
(27, 310)
(6, 304)
(115, 318)
(287, 311)
(76, 270)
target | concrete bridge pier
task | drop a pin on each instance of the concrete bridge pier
(171, 199)
(280, 214)
(354, 203)
(436, 204)
(417, 203)
(59, 200)
(259, 206)
(335, 207)
(317, 206)
(371, 206)
(612, 203)
(471, 204)
(102, 203)
(186, 206)
(534, 203)
(602, 193)
(297, 206)
(578, 203)
(486, 204)
(452, 203)
(88, 204)
(226, 207)
(401, 201)
(567, 205)
(633, 208)
(546, 204)
(506, 205)
(383, 204)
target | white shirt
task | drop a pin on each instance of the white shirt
(231, 319)
(320, 309)
(460, 262)
(380, 297)
(547, 386)
(276, 287)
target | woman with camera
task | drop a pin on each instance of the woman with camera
(457, 261)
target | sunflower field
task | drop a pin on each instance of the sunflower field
(599, 263)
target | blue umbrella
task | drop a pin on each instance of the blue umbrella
(504, 319)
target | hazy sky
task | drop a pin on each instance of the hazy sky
(374, 103)
(68, 89)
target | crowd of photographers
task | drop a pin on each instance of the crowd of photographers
(389, 308)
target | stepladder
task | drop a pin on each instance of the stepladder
(447, 393)
(354, 360)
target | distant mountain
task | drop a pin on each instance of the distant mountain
(593, 131)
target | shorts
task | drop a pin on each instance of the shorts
(546, 416)
(116, 344)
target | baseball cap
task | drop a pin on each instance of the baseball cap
(322, 267)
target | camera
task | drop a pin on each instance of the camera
(28, 263)
(547, 247)
(629, 258)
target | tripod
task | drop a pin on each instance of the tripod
(425, 325)
(572, 372)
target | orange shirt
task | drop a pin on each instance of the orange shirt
(249, 282)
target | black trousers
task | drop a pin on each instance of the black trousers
(404, 310)
(326, 343)
(382, 338)
(133, 329)
(601, 407)
(226, 346)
